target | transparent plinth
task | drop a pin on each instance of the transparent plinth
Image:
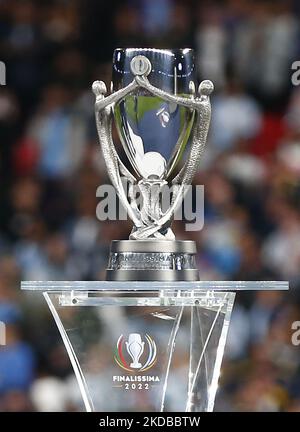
(145, 346)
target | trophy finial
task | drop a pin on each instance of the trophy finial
(99, 88)
(206, 87)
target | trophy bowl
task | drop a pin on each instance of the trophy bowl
(154, 132)
(162, 124)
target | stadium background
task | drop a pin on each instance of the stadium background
(50, 167)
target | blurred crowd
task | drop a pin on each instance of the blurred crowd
(51, 166)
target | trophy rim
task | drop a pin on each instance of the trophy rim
(184, 51)
(176, 53)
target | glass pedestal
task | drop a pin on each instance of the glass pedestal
(145, 346)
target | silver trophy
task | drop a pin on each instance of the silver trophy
(162, 122)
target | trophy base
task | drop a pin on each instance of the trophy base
(152, 260)
(183, 326)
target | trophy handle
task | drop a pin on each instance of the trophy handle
(99, 89)
(103, 112)
(203, 114)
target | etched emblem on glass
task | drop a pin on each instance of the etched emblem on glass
(135, 348)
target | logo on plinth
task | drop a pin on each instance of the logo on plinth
(136, 354)
(134, 348)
